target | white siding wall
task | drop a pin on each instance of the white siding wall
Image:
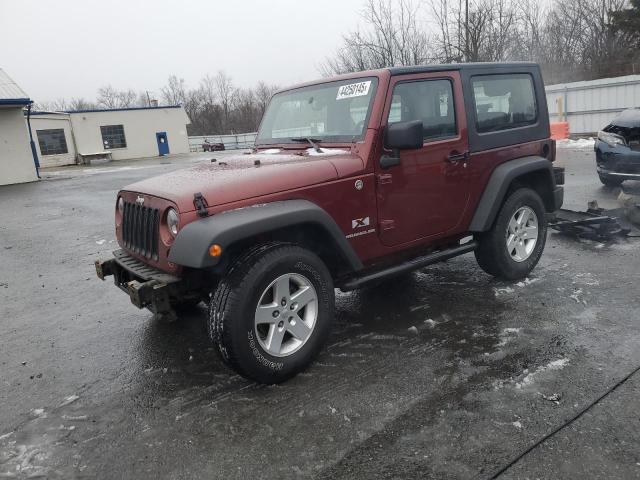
(591, 105)
(16, 160)
(54, 121)
(140, 127)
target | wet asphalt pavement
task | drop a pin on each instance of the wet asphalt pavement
(91, 387)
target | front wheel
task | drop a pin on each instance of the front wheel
(271, 314)
(513, 246)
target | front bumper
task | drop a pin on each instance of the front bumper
(147, 287)
(558, 197)
(620, 161)
(558, 190)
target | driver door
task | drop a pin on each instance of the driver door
(425, 195)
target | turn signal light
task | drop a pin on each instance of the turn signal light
(215, 250)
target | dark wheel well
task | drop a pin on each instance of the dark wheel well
(540, 181)
(307, 235)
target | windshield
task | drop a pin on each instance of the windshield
(328, 112)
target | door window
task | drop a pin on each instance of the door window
(430, 101)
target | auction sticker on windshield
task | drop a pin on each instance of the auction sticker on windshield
(353, 90)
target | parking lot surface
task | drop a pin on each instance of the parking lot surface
(530, 379)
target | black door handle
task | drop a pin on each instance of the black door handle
(458, 157)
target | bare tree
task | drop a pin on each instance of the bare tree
(59, 105)
(392, 37)
(263, 93)
(174, 93)
(224, 93)
(109, 97)
(81, 104)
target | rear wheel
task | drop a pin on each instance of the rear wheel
(513, 246)
(271, 314)
(609, 181)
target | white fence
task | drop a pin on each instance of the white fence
(589, 106)
(230, 142)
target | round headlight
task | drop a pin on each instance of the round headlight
(120, 205)
(173, 221)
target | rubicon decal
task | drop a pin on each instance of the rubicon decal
(359, 223)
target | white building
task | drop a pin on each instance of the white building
(17, 160)
(64, 138)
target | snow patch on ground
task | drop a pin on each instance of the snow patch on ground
(269, 151)
(69, 400)
(507, 335)
(501, 291)
(579, 143)
(527, 281)
(586, 279)
(38, 412)
(530, 377)
(576, 296)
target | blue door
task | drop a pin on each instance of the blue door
(163, 144)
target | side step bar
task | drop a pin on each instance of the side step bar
(409, 266)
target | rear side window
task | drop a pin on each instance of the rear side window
(430, 101)
(504, 101)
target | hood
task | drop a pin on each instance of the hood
(629, 118)
(243, 176)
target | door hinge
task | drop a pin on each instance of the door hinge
(387, 225)
(385, 178)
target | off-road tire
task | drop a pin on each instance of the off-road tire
(492, 254)
(608, 181)
(233, 305)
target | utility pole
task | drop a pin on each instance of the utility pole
(148, 98)
(466, 30)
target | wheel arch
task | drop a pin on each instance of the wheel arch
(294, 221)
(533, 172)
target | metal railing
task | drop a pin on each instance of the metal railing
(230, 142)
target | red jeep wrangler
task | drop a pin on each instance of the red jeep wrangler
(352, 180)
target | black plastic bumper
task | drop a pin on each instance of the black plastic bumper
(146, 286)
(558, 197)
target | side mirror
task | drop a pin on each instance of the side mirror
(404, 135)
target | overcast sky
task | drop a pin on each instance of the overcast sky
(70, 48)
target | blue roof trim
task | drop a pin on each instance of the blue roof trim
(15, 101)
(33, 112)
(121, 109)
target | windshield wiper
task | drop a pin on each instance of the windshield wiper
(311, 141)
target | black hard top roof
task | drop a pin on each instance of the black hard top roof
(460, 66)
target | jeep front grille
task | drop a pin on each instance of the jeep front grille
(141, 229)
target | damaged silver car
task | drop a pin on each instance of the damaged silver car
(618, 149)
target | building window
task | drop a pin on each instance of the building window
(113, 136)
(52, 142)
(504, 102)
(430, 101)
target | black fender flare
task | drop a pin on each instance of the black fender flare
(191, 246)
(498, 184)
